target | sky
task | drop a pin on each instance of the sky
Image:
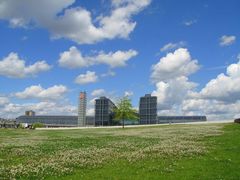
(184, 52)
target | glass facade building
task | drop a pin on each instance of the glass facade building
(180, 119)
(148, 109)
(104, 111)
(55, 121)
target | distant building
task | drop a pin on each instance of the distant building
(148, 109)
(180, 119)
(30, 113)
(55, 121)
(82, 109)
(104, 111)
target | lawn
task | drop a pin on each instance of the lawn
(209, 151)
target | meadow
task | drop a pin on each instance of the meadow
(207, 151)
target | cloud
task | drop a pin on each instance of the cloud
(13, 110)
(74, 59)
(37, 92)
(24, 38)
(109, 73)
(115, 59)
(190, 22)
(215, 110)
(174, 65)
(219, 99)
(173, 92)
(90, 112)
(227, 40)
(74, 23)
(170, 76)
(89, 77)
(171, 46)
(98, 92)
(128, 93)
(3, 101)
(225, 87)
(20, 69)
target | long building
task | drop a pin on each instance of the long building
(82, 109)
(148, 109)
(54, 121)
(104, 111)
(180, 119)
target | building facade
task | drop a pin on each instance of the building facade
(55, 121)
(104, 111)
(148, 109)
(30, 113)
(180, 119)
(82, 109)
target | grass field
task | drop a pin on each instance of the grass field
(210, 151)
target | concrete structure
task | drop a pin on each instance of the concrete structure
(104, 111)
(148, 109)
(82, 109)
(55, 121)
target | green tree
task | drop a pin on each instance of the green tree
(125, 111)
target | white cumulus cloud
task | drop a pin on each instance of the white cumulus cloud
(173, 92)
(37, 92)
(73, 58)
(74, 23)
(178, 63)
(89, 77)
(14, 67)
(224, 87)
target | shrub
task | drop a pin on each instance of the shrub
(21, 126)
(37, 125)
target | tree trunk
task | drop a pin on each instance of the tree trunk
(123, 123)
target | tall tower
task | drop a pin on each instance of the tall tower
(148, 109)
(104, 111)
(82, 109)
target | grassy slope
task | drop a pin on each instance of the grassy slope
(166, 152)
(222, 162)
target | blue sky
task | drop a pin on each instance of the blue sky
(184, 52)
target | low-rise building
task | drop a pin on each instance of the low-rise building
(55, 121)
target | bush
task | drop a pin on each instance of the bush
(21, 126)
(37, 125)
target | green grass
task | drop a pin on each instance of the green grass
(208, 151)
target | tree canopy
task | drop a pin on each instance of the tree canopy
(125, 111)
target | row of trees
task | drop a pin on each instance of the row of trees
(125, 111)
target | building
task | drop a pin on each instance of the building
(82, 109)
(180, 119)
(7, 123)
(30, 113)
(104, 111)
(148, 109)
(55, 121)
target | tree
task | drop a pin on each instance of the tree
(125, 111)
